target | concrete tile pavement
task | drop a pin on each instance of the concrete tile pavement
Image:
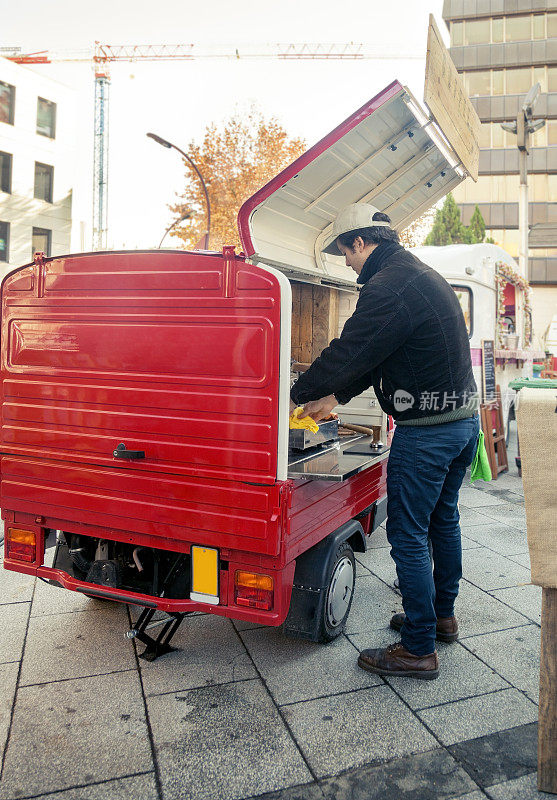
(524, 788)
(501, 538)
(8, 683)
(13, 628)
(480, 611)
(16, 588)
(343, 731)
(138, 787)
(242, 711)
(226, 741)
(478, 716)
(491, 570)
(295, 670)
(404, 779)
(74, 732)
(523, 559)
(512, 653)
(527, 600)
(210, 651)
(63, 646)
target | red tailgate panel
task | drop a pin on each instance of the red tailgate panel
(159, 510)
(175, 354)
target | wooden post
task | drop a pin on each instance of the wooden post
(494, 442)
(547, 720)
(306, 323)
(296, 300)
(314, 320)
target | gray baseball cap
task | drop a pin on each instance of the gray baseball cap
(352, 218)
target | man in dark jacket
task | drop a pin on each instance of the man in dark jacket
(407, 338)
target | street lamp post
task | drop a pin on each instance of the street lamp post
(165, 143)
(523, 127)
(185, 216)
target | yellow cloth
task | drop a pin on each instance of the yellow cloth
(302, 422)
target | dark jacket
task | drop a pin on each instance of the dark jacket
(407, 337)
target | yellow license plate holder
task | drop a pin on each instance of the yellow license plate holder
(204, 575)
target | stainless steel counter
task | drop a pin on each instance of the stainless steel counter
(333, 463)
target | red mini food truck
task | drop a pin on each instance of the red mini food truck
(145, 401)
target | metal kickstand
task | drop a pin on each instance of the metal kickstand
(161, 645)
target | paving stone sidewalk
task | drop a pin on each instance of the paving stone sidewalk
(241, 711)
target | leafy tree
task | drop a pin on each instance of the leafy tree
(447, 225)
(448, 228)
(476, 229)
(235, 159)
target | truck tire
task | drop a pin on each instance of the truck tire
(324, 585)
(339, 594)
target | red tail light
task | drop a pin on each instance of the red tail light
(253, 591)
(21, 545)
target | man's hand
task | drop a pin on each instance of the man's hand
(319, 409)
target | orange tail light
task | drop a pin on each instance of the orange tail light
(21, 545)
(253, 591)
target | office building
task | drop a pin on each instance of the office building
(502, 48)
(37, 145)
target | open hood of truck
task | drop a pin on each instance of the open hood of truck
(388, 153)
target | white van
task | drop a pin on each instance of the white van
(494, 300)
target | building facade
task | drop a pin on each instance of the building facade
(502, 48)
(37, 145)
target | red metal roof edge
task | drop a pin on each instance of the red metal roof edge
(306, 158)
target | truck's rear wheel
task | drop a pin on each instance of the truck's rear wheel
(340, 593)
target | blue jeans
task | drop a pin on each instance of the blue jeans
(426, 468)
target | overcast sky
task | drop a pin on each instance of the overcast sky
(179, 99)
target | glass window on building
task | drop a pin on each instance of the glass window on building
(478, 83)
(7, 103)
(4, 241)
(485, 135)
(46, 118)
(538, 26)
(509, 240)
(41, 241)
(552, 188)
(504, 188)
(457, 34)
(552, 79)
(477, 31)
(518, 80)
(498, 82)
(540, 76)
(497, 135)
(539, 138)
(551, 126)
(518, 29)
(551, 25)
(44, 175)
(6, 172)
(538, 188)
(497, 30)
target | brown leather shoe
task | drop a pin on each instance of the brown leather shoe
(395, 660)
(447, 627)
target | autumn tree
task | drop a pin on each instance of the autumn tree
(414, 235)
(236, 159)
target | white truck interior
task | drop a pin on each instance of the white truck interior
(395, 158)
